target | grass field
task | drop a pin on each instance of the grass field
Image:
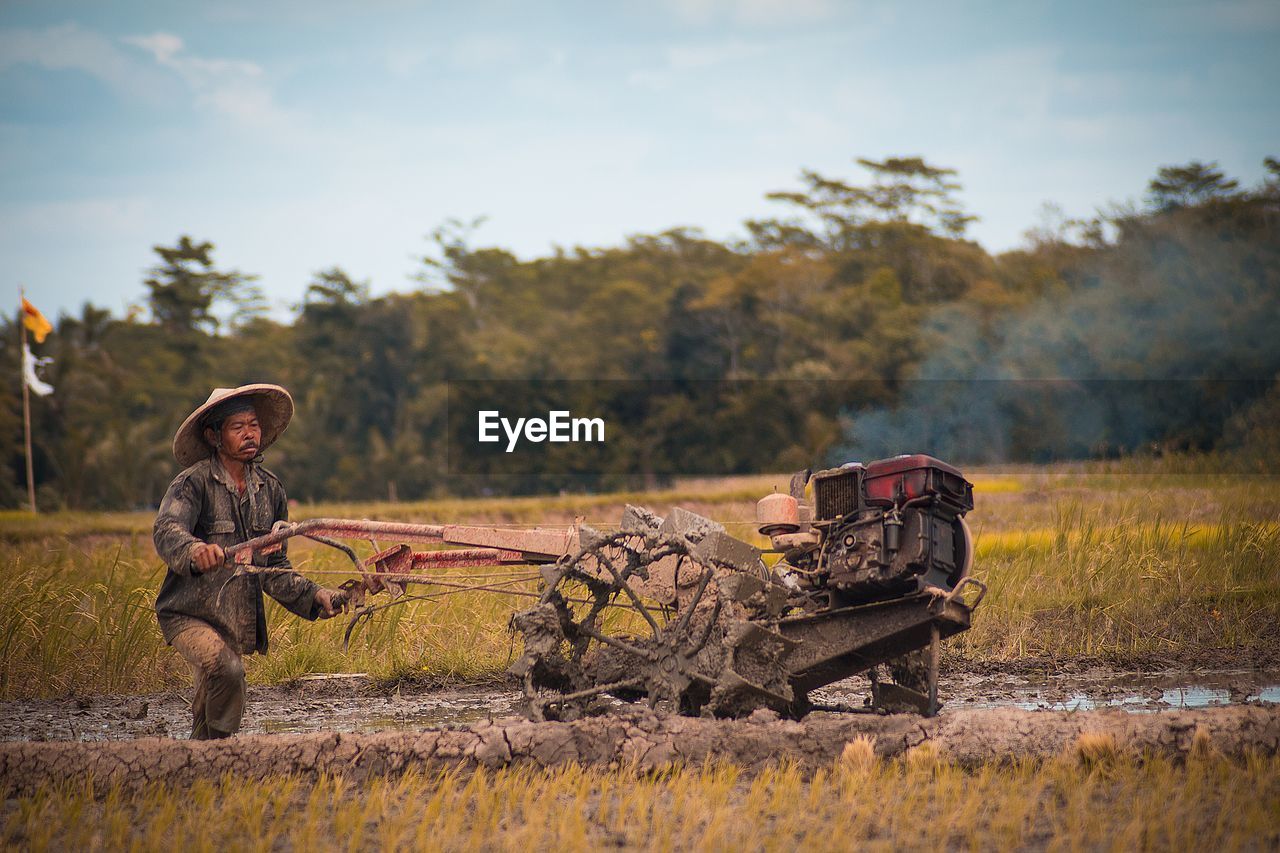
(1077, 801)
(1118, 566)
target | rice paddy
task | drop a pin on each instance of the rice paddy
(1094, 797)
(1123, 566)
(1113, 569)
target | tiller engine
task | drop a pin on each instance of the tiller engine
(867, 565)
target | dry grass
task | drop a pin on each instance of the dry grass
(1096, 749)
(1122, 803)
(80, 620)
(1097, 583)
(1079, 561)
(858, 756)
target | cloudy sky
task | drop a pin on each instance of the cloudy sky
(300, 135)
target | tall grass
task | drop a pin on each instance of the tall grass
(1099, 584)
(1119, 572)
(81, 621)
(461, 637)
(74, 621)
(1111, 801)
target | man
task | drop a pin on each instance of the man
(207, 611)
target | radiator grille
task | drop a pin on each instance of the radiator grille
(836, 493)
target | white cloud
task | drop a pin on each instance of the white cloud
(233, 87)
(163, 46)
(236, 88)
(67, 46)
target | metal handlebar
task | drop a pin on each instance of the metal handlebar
(966, 581)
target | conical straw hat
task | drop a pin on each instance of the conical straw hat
(274, 407)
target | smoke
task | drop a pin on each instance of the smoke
(1160, 340)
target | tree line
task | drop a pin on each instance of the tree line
(828, 330)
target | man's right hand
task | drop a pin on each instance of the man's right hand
(207, 556)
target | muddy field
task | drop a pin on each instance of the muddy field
(647, 741)
(1122, 681)
(355, 704)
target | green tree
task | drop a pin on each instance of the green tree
(907, 219)
(1196, 183)
(907, 189)
(904, 191)
(185, 286)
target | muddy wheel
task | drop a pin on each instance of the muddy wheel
(907, 688)
(600, 629)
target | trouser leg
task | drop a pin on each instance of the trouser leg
(218, 704)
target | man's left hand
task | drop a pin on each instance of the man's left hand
(331, 602)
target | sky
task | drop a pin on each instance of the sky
(296, 136)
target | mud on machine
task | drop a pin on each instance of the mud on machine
(866, 565)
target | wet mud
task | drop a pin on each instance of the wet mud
(353, 704)
(359, 728)
(643, 741)
(335, 704)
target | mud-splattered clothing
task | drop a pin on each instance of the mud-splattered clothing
(204, 505)
(218, 706)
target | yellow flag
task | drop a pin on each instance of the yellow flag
(35, 321)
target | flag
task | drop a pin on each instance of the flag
(35, 321)
(29, 365)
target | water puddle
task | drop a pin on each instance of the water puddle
(270, 711)
(1133, 692)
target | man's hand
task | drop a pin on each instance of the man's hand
(207, 556)
(331, 602)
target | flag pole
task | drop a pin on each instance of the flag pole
(26, 407)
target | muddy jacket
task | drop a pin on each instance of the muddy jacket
(203, 505)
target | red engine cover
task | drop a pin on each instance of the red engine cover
(905, 478)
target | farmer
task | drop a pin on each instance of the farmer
(207, 611)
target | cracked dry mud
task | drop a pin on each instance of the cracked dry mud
(351, 726)
(644, 741)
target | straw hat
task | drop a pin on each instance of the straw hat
(274, 407)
